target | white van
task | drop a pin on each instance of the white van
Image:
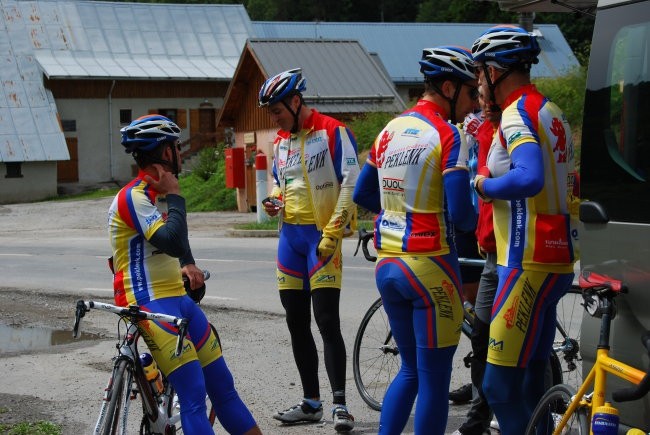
(615, 182)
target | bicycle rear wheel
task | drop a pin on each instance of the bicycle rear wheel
(119, 391)
(375, 357)
(551, 408)
(567, 338)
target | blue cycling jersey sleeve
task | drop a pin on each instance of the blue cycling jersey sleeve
(525, 179)
(366, 190)
(459, 201)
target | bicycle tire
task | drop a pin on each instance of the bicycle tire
(119, 392)
(375, 357)
(566, 345)
(550, 410)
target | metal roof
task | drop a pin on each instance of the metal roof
(341, 75)
(85, 39)
(400, 45)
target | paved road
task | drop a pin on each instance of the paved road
(61, 248)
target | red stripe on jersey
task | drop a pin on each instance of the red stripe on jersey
(123, 202)
(424, 234)
(119, 294)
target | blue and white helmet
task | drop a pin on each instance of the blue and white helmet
(281, 86)
(506, 45)
(449, 60)
(147, 132)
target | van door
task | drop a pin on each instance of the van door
(615, 173)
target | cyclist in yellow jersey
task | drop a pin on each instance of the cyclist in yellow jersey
(148, 233)
(416, 179)
(315, 168)
(528, 178)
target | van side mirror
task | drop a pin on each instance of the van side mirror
(593, 213)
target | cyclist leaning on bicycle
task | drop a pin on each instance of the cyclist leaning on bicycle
(148, 233)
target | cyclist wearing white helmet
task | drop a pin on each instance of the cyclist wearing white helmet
(527, 178)
(315, 168)
(148, 233)
(416, 179)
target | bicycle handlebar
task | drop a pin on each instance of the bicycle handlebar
(365, 236)
(134, 313)
(638, 391)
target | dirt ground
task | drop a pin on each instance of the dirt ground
(64, 383)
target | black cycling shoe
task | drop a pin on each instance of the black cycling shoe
(462, 394)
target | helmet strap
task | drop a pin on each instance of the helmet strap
(494, 107)
(174, 161)
(295, 127)
(452, 101)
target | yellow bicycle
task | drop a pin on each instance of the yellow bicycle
(562, 410)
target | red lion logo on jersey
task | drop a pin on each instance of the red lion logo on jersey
(382, 145)
(511, 313)
(560, 146)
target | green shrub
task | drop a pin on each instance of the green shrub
(366, 127)
(38, 428)
(568, 92)
(205, 188)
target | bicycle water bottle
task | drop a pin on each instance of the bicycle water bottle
(605, 420)
(151, 372)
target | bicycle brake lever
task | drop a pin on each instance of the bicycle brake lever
(80, 311)
(182, 330)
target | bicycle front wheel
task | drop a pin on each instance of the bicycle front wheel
(551, 408)
(375, 357)
(119, 391)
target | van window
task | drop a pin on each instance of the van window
(615, 154)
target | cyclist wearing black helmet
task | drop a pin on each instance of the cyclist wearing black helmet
(527, 178)
(148, 232)
(417, 167)
(315, 168)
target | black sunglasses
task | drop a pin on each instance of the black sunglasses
(473, 91)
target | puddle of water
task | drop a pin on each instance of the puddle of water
(19, 339)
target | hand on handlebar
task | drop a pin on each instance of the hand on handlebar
(194, 274)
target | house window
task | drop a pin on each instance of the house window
(125, 116)
(14, 170)
(169, 113)
(69, 124)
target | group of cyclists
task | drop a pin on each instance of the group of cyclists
(417, 180)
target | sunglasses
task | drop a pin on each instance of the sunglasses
(473, 91)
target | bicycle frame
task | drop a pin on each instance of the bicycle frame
(155, 409)
(597, 377)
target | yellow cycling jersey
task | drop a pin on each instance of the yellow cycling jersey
(141, 272)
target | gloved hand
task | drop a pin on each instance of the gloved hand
(482, 174)
(326, 246)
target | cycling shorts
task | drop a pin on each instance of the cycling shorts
(524, 315)
(422, 294)
(200, 343)
(298, 266)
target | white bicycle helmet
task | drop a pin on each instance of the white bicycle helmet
(282, 85)
(506, 45)
(447, 61)
(147, 132)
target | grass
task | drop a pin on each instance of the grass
(91, 194)
(26, 428)
(271, 224)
